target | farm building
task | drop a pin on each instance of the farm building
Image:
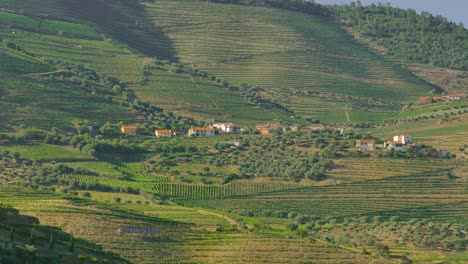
(227, 127)
(129, 130)
(313, 127)
(265, 129)
(365, 144)
(163, 133)
(404, 138)
(201, 132)
(455, 96)
(399, 142)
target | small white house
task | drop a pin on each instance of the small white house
(400, 142)
(201, 132)
(226, 127)
(404, 139)
(163, 133)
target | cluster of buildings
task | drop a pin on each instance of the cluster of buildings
(212, 130)
(223, 128)
(397, 142)
(448, 97)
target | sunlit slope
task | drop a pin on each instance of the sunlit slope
(79, 43)
(277, 49)
(306, 63)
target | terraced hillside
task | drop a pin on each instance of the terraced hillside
(450, 134)
(432, 195)
(29, 241)
(280, 51)
(308, 65)
(27, 99)
(176, 242)
(81, 45)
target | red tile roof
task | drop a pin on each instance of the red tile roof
(201, 128)
(164, 131)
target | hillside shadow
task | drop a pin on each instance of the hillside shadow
(127, 22)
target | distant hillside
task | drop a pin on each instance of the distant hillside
(297, 59)
(423, 38)
(302, 61)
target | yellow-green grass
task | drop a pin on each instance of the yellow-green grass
(43, 151)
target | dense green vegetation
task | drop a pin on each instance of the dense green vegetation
(422, 38)
(73, 72)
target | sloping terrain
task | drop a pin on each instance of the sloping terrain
(27, 98)
(303, 62)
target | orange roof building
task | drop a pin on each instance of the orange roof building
(163, 133)
(129, 130)
(201, 132)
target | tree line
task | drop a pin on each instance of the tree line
(420, 38)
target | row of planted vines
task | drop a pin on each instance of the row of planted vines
(238, 188)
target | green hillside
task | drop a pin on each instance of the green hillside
(405, 34)
(30, 97)
(309, 65)
(288, 58)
